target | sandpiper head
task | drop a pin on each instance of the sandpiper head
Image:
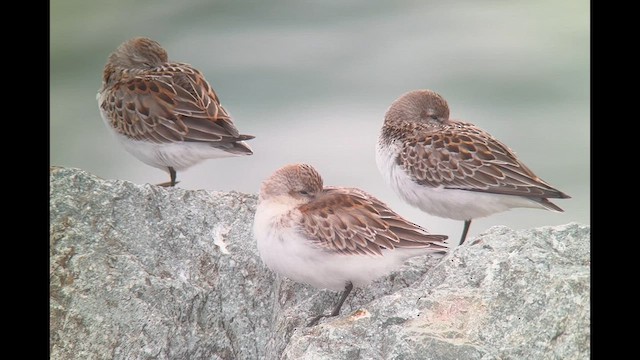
(139, 52)
(299, 181)
(419, 106)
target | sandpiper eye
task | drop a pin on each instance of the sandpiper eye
(304, 192)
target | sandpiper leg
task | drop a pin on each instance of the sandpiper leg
(467, 223)
(336, 309)
(172, 174)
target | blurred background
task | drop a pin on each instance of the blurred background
(313, 80)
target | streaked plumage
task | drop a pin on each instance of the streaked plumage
(450, 168)
(331, 237)
(165, 113)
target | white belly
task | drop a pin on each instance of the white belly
(285, 252)
(180, 155)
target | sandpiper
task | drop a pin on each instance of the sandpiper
(332, 237)
(165, 113)
(450, 168)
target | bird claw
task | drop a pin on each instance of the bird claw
(168, 184)
(315, 320)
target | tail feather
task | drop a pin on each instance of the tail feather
(241, 148)
(548, 204)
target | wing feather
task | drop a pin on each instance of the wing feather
(465, 157)
(350, 221)
(169, 103)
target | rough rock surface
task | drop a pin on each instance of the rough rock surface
(144, 272)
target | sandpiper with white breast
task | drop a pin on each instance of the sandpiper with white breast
(450, 168)
(332, 237)
(165, 113)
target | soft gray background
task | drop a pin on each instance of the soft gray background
(312, 81)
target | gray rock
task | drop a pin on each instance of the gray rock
(144, 272)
